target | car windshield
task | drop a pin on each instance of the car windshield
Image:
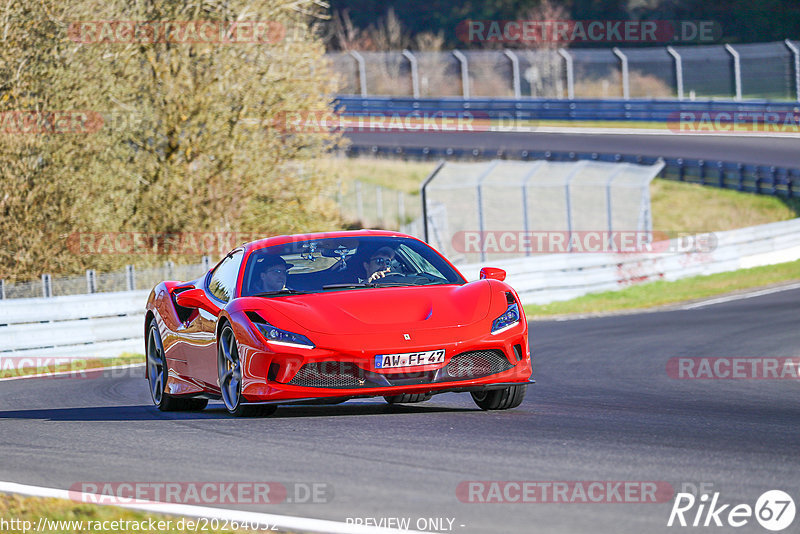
(332, 264)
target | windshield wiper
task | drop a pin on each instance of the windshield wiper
(348, 286)
(280, 292)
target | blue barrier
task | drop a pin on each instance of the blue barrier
(559, 109)
(759, 179)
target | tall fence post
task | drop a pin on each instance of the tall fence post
(130, 277)
(401, 208)
(206, 263)
(91, 281)
(462, 59)
(678, 71)
(626, 81)
(525, 217)
(514, 73)
(379, 204)
(578, 167)
(424, 198)
(2, 289)
(570, 72)
(412, 61)
(796, 55)
(481, 225)
(47, 286)
(737, 71)
(362, 71)
(359, 203)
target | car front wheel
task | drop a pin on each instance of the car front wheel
(500, 399)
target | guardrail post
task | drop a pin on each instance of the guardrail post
(678, 71)
(362, 71)
(412, 61)
(796, 55)
(626, 81)
(91, 281)
(740, 168)
(570, 72)
(130, 277)
(702, 165)
(721, 171)
(772, 179)
(737, 71)
(47, 286)
(514, 73)
(206, 263)
(2, 289)
(462, 59)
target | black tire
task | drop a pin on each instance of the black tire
(408, 398)
(157, 374)
(500, 399)
(230, 374)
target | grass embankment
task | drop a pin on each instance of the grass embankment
(660, 293)
(15, 510)
(33, 365)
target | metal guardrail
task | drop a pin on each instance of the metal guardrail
(653, 110)
(100, 324)
(548, 278)
(760, 179)
(79, 326)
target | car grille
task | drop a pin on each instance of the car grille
(478, 363)
(329, 374)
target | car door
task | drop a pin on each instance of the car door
(219, 285)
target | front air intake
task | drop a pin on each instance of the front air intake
(329, 374)
(477, 364)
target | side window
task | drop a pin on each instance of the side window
(223, 280)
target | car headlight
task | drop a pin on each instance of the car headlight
(509, 318)
(283, 337)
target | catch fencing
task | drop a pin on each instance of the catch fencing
(742, 71)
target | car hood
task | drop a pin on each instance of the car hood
(373, 310)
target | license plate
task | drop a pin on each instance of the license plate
(409, 359)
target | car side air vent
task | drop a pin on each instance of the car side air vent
(510, 298)
(256, 318)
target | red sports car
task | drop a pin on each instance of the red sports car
(323, 318)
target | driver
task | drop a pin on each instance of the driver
(273, 273)
(379, 264)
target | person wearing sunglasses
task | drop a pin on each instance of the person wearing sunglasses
(379, 264)
(273, 273)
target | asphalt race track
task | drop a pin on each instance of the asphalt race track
(603, 409)
(778, 151)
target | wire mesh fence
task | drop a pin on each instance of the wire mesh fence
(757, 70)
(128, 279)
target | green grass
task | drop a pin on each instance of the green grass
(16, 507)
(61, 365)
(653, 294)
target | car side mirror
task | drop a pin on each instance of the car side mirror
(493, 273)
(196, 298)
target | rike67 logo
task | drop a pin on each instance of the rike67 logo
(774, 510)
